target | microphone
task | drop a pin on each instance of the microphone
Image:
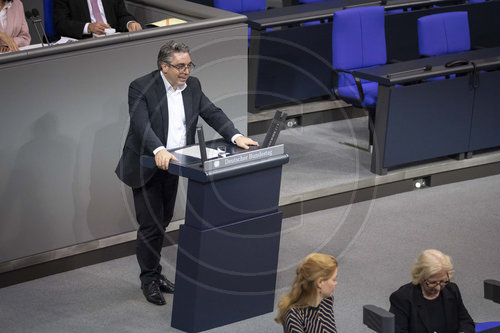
(29, 16)
(426, 68)
(38, 19)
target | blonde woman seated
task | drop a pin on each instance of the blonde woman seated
(308, 307)
(14, 30)
(431, 302)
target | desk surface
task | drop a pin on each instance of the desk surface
(414, 69)
(296, 14)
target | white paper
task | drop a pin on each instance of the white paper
(194, 151)
(63, 40)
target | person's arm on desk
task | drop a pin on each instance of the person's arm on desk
(163, 158)
(96, 28)
(16, 26)
(9, 41)
(244, 142)
(133, 26)
(22, 37)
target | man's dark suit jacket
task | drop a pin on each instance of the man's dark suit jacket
(70, 16)
(148, 130)
(411, 315)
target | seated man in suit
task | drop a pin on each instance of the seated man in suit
(164, 108)
(83, 18)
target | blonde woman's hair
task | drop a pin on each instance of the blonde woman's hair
(314, 267)
(431, 262)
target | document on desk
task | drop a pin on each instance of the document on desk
(194, 151)
(166, 22)
(62, 40)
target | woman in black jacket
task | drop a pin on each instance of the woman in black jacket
(431, 303)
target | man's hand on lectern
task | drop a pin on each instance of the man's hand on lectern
(244, 142)
(162, 159)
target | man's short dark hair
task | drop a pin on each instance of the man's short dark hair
(168, 49)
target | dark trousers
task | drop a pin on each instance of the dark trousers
(154, 207)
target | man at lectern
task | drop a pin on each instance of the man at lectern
(164, 106)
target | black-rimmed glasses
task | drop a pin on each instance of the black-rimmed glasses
(182, 67)
(434, 284)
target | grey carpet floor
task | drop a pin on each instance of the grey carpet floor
(375, 241)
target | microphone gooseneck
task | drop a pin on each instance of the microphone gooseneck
(29, 16)
(38, 20)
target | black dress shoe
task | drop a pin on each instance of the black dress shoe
(165, 285)
(152, 292)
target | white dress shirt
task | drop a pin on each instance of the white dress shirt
(176, 117)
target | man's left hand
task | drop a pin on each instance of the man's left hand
(244, 142)
(134, 26)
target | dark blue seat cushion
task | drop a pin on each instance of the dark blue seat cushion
(369, 89)
(486, 326)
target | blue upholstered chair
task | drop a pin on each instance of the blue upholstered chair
(48, 23)
(480, 327)
(443, 33)
(358, 41)
(240, 6)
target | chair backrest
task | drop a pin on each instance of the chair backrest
(240, 6)
(47, 18)
(443, 33)
(358, 37)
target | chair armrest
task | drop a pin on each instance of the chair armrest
(335, 82)
(378, 319)
(492, 290)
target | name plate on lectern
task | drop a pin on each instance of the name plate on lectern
(243, 158)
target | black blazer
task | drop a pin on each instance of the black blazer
(407, 306)
(70, 16)
(148, 108)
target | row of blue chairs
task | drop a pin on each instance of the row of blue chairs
(358, 42)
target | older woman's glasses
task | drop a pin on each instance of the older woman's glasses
(182, 67)
(434, 284)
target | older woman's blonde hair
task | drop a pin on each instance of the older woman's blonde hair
(431, 262)
(314, 267)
